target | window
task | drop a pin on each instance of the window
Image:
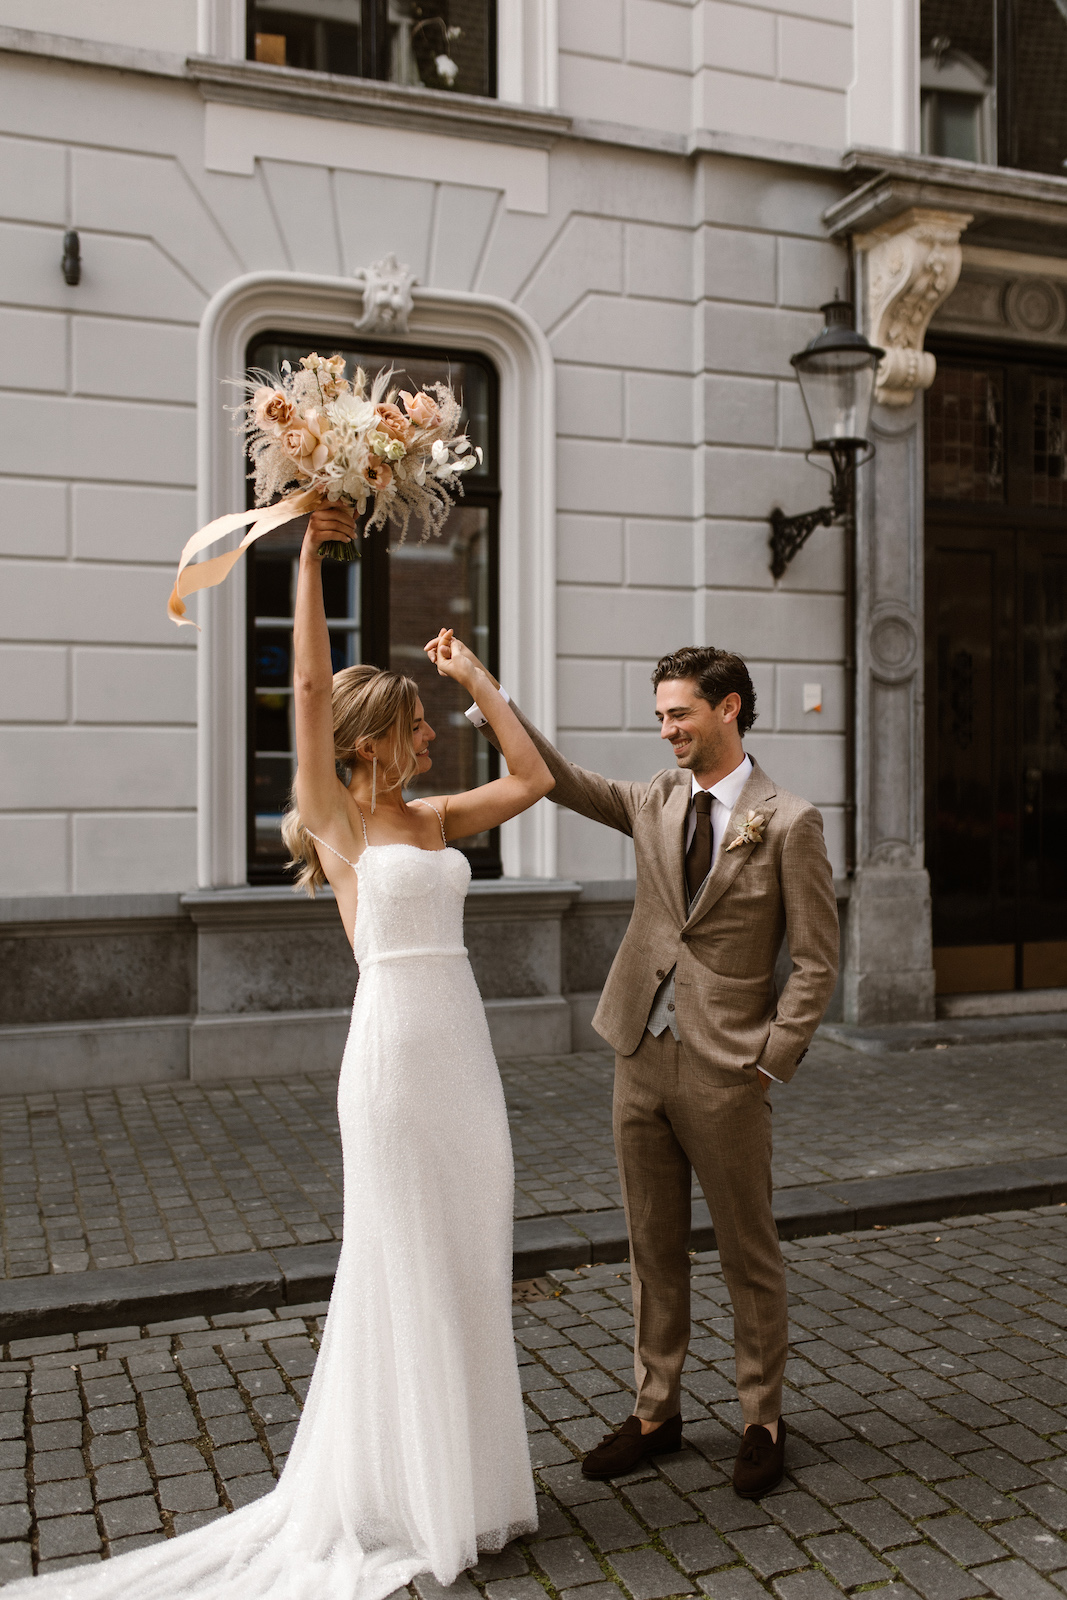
(433, 44)
(381, 608)
(992, 80)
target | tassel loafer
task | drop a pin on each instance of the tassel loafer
(620, 1452)
(760, 1464)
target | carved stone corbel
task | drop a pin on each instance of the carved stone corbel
(387, 297)
(912, 266)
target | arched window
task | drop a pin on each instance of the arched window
(381, 608)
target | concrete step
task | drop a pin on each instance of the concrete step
(118, 1297)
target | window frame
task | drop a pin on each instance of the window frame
(487, 862)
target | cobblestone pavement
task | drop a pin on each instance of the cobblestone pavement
(109, 1177)
(926, 1400)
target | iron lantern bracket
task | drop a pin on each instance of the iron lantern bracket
(790, 534)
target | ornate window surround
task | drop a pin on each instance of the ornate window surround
(327, 308)
(527, 51)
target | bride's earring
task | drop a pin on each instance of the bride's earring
(373, 783)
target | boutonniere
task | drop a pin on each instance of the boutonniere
(752, 832)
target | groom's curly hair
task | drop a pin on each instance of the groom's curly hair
(716, 674)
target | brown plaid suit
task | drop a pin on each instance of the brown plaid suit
(696, 1104)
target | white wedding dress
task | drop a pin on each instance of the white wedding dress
(411, 1453)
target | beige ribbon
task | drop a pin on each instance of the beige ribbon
(206, 574)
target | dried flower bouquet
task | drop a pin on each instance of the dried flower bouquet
(325, 437)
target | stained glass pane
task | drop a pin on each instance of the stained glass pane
(965, 434)
(1049, 482)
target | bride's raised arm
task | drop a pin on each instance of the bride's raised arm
(528, 778)
(318, 791)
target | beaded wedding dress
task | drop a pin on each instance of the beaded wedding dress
(411, 1453)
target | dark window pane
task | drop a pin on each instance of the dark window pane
(957, 79)
(442, 44)
(433, 44)
(316, 35)
(444, 584)
(1049, 483)
(965, 434)
(1039, 87)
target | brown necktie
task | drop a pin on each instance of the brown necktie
(698, 856)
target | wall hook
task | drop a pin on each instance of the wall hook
(72, 258)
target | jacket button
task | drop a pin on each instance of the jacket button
(660, 972)
(670, 1006)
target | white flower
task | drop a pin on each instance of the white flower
(446, 69)
(348, 410)
(385, 447)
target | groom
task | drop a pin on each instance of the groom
(727, 862)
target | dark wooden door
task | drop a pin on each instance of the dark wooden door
(996, 688)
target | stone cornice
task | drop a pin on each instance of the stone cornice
(1022, 207)
(321, 94)
(91, 53)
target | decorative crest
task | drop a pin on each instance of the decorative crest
(387, 297)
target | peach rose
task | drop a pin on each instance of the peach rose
(274, 411)
(423, 411)
(306, 443)
(391, 420)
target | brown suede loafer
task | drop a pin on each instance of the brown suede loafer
(760, 1463)
(622, 1451)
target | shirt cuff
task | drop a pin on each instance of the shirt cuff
(477, 718)
(770, 1075)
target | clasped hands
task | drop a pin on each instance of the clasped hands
(454, 660)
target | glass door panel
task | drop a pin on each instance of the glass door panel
(996, 684)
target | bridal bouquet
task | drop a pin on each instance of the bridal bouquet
(325, 437)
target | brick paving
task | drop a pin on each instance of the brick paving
(113, 1177)
(926, 1401)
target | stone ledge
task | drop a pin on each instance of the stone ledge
(322, 94)
(116, 1297)
(1006, 204)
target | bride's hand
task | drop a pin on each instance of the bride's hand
(453, 660)
(330, 523)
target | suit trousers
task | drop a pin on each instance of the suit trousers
(673, 1115)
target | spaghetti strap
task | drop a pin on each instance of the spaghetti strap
(362, 819)
(331, 849)
(440, 820)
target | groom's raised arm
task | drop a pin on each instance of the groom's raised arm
(602, 799)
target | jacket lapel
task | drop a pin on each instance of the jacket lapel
(757, 794)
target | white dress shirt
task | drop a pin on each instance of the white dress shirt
(724, 796)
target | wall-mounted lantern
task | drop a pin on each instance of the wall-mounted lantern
(836, 373)
(72, 258)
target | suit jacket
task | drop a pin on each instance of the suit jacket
(725, 945)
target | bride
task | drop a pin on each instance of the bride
(411, 1454)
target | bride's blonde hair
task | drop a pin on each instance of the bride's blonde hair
(367, 703)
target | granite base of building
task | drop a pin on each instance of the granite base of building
(110, 990)
(102, 991)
